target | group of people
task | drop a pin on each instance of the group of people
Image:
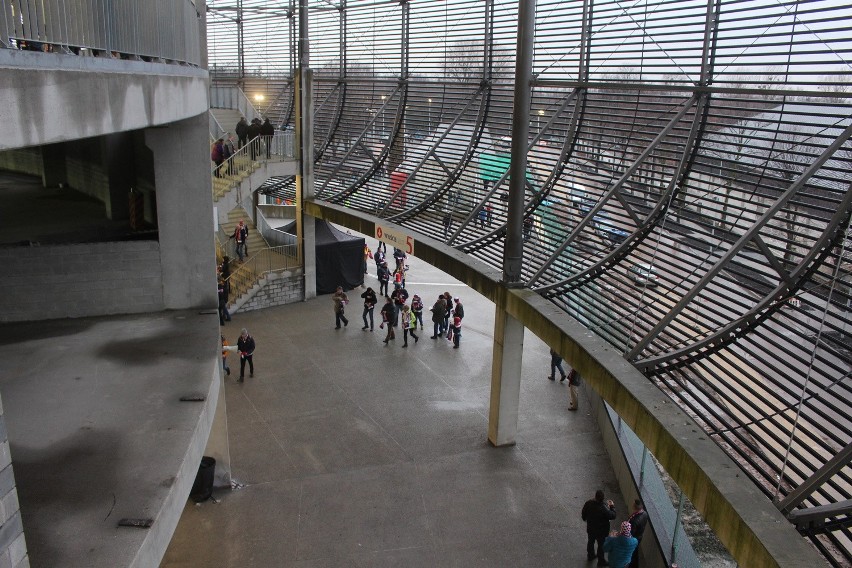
(249, 132)
(447, 312)
(621, 545)
(245, 347)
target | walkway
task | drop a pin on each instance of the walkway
(350, 453)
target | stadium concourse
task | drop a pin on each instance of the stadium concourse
(345, 452)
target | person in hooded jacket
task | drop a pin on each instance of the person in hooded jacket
(253, 133)
(267, 131)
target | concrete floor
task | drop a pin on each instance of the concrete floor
(350, 453)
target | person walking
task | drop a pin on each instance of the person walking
(409, 325)
(448, 223)
(225, 349)
(253, 134)
(417, 309)
(439, 308)
(217, 154)
(222, 292)
(230, 150)
(387, 319)
(245, 347)
(240, 237)
(370, 302)
(556, 363)
(597, 513)
(573, 383)
(399, 297)
(267, 131)
(340, 299)
(242, 132)
(638, 521)
(620, 545)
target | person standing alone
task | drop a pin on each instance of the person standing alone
(340, 300)
(370, 302)
(245, 347)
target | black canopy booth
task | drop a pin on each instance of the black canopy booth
(340, 257)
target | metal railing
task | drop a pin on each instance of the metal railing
(273, 259)
(231, 96)
(158, 30)
(277, 147)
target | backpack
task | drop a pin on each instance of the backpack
(412, 320)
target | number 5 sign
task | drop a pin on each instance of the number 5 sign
(395, 238)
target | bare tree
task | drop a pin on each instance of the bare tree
(465, 61)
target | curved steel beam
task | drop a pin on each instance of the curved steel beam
(746, 238)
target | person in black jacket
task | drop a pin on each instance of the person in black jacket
(370, 302)
(242, 132)
(388, 312)
(253, 133)
(597, 515)
(638, 521)
(267, 131)
(245, 347)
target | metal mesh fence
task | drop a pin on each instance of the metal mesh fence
(687, 191)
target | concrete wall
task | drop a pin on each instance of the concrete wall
(47, 98)
(279, 289)
(13, 547)
(80, 280)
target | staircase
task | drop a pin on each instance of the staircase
(243, 276)
(227, 119)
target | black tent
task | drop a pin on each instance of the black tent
(340, 257)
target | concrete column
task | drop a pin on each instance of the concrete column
(118, 156)
(218, 447)
(183, 184)
(54, 168)
(305, 179)
(505, 379)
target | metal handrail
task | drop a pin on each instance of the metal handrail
(280, 146)
(268, 260)
(158, 30)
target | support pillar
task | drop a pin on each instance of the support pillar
(305, 224)
(181, 176)
(118, 156)
(505, 379)
(54, 170)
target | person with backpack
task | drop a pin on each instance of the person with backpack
(417, 309)
(217, 154)
(388, 312)
(383, 275)
(409, 324)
